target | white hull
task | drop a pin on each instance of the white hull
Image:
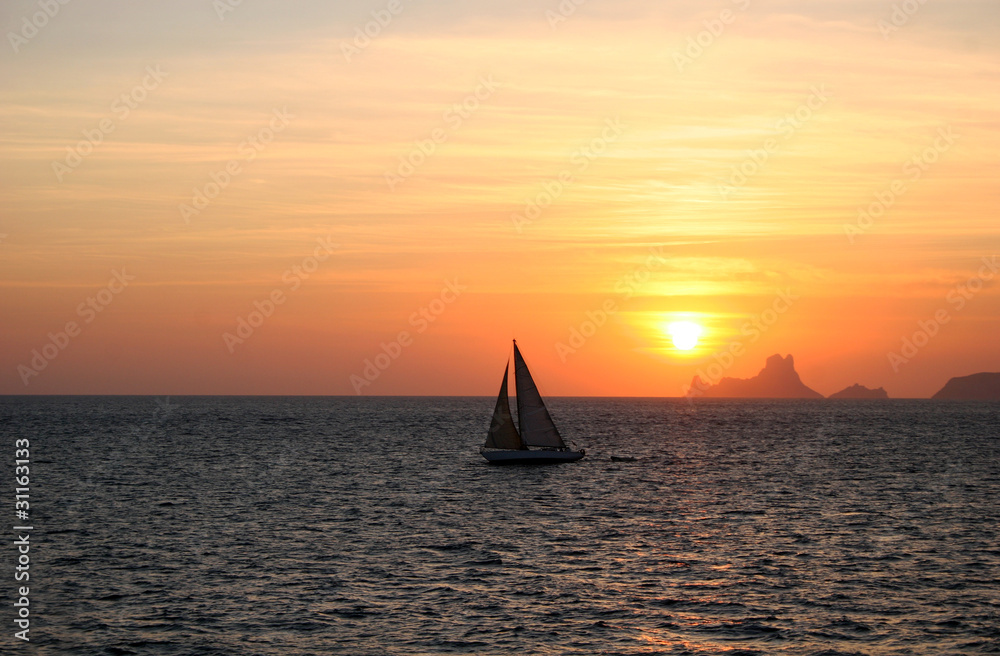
(530, 457)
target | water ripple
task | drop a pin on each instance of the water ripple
(293, 526)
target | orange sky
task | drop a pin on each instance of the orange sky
(395, 175)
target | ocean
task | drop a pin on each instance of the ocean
(330, 525)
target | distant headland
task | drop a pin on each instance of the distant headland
(977, 387)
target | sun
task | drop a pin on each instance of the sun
(684, 334)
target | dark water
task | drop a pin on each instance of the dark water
(372, 526)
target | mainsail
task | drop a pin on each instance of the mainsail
(537, 428)
(502, 433)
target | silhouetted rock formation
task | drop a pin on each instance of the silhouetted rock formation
(777, 380)
(860, 392)
(977, 387)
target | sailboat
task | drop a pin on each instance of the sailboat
(505, 444)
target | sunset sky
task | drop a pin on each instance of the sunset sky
(812, 178)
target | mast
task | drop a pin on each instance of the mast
(502, 434)
(537, 427)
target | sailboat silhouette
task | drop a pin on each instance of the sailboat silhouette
(505, 444)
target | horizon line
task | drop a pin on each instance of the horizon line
(484, 396)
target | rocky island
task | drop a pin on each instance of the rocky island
(859, 392)
(777, 380)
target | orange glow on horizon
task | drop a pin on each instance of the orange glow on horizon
(802, 186)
